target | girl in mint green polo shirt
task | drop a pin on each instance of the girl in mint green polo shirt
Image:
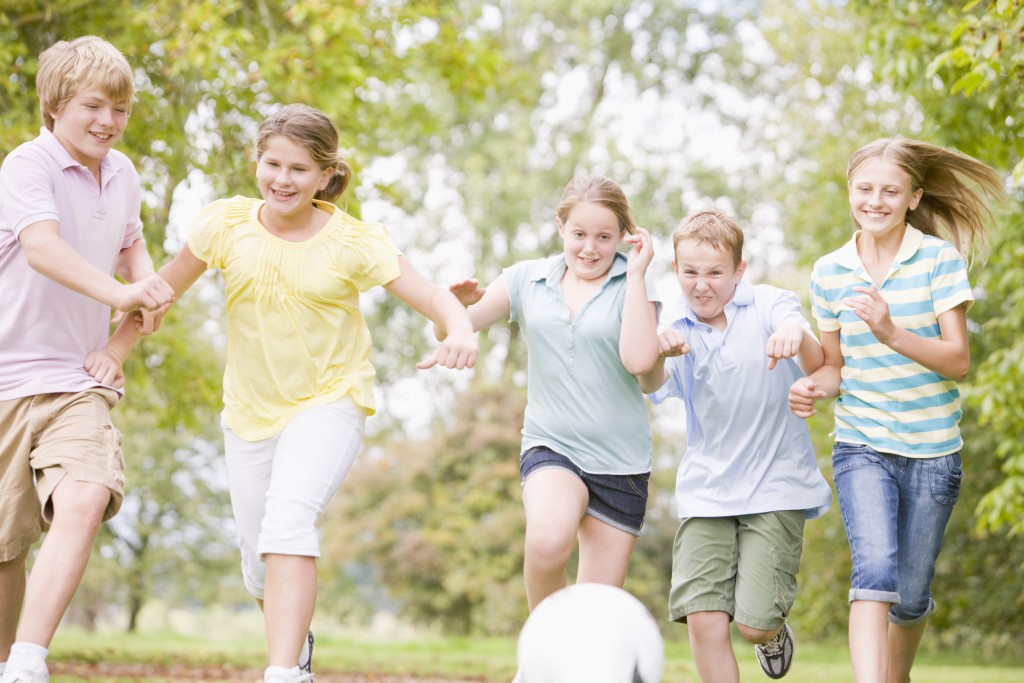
(589, 317)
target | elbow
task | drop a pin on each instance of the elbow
(640, 366)
(960, 372)
(33, 255)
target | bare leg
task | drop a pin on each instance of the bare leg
(12, 593)
(903, 642)
(288, 603)
(604, 553)
(555, 500)
(711, 647)
(78, 508)
(869, 644)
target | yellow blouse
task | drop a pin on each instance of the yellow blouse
(295, 335)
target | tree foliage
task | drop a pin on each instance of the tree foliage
(464, 120)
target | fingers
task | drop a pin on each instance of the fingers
(468, 292)
(148, 322)
(453, 354)
(802, 395)
(104, 370)
(428, 362)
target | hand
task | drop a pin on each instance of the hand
(874, 310)
(105, 366)
(458, 351)
(802, 395)
(784, 343)
(468, 292)
(672, 343)
(147, 322)
(642, 253)
(151, 293)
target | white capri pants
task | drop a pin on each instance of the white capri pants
(279, 486)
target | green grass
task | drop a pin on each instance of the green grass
(483, 659)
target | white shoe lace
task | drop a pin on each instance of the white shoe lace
(774, 646)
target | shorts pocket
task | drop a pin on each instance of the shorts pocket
(786, 566)
(639, 484)
(946, 474)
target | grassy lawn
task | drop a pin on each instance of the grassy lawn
(482, 659)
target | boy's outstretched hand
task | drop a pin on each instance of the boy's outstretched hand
(802, 395)
(784, 343)
(672, 343)
(106, 367)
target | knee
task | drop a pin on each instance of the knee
(81, 505)
(707, 627)
(547, 550)
(755, 635)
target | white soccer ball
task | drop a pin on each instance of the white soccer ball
(594, 633)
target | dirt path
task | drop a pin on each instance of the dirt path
(100, 671)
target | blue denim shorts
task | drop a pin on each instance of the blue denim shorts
(619, 500)
(895, 510)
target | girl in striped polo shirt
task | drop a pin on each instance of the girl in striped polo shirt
(891, 308)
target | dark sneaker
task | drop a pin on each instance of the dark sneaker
(776, 655)
(306, 656)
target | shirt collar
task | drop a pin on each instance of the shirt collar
(848, 257)
(62, 156)
(556, 269)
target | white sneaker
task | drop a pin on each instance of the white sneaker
(518, 678)
(294, 678)
(26, 676)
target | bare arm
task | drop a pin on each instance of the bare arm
(179, 273)
(485, 306)
(670, 343)
(822, 383)
(458, 348)
(638, 336)
(134, 262)
(795, 340)
(948, 354)
(48, 254)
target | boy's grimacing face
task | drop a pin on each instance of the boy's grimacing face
(708, 278)
(89, 125)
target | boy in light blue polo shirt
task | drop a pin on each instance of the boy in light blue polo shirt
(749, 477)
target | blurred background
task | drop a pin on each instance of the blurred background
(464, 120)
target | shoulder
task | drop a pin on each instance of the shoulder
(534, 269)
(120, 161)
(29, 161)
(770, 294)
(344, 225)
(232, 211)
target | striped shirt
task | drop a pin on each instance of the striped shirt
(886, 400)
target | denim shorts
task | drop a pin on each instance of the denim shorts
(619, 500)
(895, 510)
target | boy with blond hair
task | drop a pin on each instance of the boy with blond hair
(69, 220)
(749, 477)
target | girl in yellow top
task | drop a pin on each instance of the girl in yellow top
(298, 382)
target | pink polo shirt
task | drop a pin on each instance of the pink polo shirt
(47, 330)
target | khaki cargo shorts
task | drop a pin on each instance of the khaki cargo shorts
(43, 439)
